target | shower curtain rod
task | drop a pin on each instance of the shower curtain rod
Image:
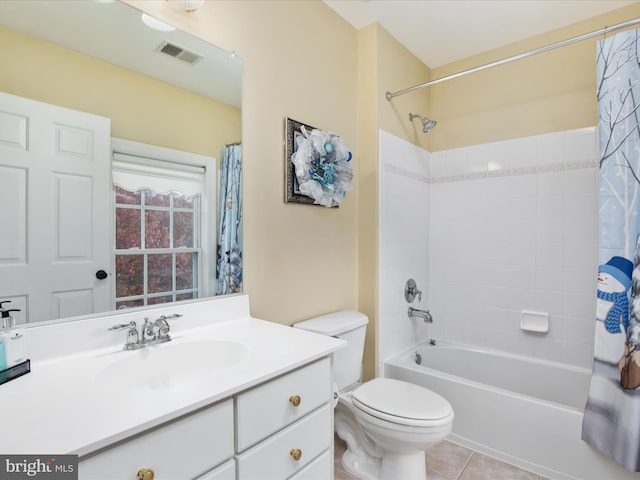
(563, 43)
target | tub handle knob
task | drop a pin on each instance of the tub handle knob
(411, 291)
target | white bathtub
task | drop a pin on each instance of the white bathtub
(521, 410)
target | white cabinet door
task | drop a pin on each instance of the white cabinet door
(290, 450)
(226, 471)
(320, 469)
(55, 192)
(181, 449)
(269, 407)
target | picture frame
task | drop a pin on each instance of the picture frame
(293, 129)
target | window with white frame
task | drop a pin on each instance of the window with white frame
(158, 241)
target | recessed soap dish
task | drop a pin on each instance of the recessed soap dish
(534, 321)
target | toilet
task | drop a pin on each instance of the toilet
(387, 424)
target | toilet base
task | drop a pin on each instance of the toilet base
(379, 450)
(406, 466)
(368, 461)
(392, 466)
(362, 458)
(362, 470)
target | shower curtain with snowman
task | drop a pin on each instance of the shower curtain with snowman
(611, 421)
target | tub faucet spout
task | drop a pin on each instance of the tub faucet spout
(423, 314)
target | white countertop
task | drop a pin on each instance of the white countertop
(62, 407)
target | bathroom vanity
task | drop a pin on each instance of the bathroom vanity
(228, 397)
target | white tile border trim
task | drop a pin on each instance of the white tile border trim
(403, 172)
(516, 171)
(465, 154)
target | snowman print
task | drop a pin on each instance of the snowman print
(612, 308)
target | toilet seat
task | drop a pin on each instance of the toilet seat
(402, 403)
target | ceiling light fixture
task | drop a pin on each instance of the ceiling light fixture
(156, 24)
(186, 5)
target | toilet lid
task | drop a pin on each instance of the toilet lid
(402, 402)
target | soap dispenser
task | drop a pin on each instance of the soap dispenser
(15, 349)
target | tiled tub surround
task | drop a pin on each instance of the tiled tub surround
(403, 252)
(518, 233)
(488, 231)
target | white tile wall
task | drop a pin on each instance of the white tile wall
(403, 240)
(488, 231)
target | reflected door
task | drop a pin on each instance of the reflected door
(55, 197)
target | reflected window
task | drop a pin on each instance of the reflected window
(158, 240)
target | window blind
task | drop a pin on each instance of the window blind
(137, 173)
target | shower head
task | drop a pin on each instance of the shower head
(427, 123)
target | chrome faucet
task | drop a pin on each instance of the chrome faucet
(160, 328)
(423, 314)
(133, 339)
(147, 330)
(151, 333)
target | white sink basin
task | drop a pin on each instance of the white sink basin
(169, 364)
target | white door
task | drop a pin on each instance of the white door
(55, 192)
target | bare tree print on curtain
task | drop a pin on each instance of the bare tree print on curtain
(619, 131)
(229, 258)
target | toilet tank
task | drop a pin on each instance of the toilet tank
(348, 325)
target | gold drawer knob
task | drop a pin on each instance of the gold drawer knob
(296, 453)
(295, 400)
(145, 474)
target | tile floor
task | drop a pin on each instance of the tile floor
(450, 461)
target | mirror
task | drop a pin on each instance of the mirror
(167, 90)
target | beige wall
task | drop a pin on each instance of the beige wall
(303, 61)
(300, 61)
(550, 92)
(140, 108)
(384, 65)
(545, 93)
(368, 188)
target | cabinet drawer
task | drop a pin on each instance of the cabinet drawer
(267, 408)
(320, 469)
(273, 459)
(184, 448)
(226, 471)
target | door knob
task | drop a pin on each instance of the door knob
(101, 274)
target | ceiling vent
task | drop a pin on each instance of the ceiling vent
(180, 53)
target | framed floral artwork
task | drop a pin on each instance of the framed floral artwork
(317, 168)
(293, 130)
